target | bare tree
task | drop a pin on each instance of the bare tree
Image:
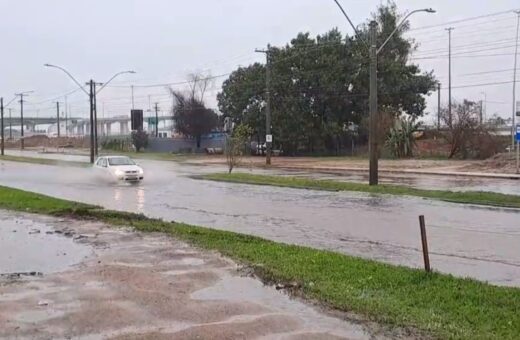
(465, 134)
(236, 144)
(198, 84)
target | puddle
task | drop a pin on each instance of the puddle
(29, 246)
(240, 289)
(38, 315)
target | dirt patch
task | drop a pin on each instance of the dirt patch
(138, 285)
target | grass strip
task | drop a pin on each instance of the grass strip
(45, 161)
(433, 304)
(468, 197)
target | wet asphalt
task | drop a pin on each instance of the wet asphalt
(464, 240)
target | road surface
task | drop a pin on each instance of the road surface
(464, 240)
(117, 284)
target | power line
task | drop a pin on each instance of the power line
(486, 72)
(453, 22)
(464, 56)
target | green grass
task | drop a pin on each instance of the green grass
(435, 304)
(468, 197)
(45, 161)
(20, 200)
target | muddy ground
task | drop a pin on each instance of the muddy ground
(501, 163)
(100, 282)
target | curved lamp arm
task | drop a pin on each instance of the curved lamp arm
(114, 76)
(351, 24)
(70, 75)
(427, 10)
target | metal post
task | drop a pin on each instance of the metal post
(268, 145)
(513, 125)
(518, 156)
(424, 242)
(449, 76)
(66, 112)
(10, 126)
(268, 108)
(372, 136)
(21, 120)
(58, 117)
(2, 126)
(481, 112)
(95, 121)
(132, 96)
(91, 102)
(156, 120)
(438, 106)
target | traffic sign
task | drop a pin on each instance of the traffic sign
(269, 138)
(518, 133)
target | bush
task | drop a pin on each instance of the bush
(139, 139)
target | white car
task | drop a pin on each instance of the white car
(120, 168)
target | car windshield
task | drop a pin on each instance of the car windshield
(114, 161)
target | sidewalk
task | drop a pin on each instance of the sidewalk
(135, 285)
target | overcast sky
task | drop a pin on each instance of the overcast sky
(164, 40)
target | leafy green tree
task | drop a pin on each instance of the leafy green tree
(319, 86)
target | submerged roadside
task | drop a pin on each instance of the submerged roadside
(440, 305)
(466, 197)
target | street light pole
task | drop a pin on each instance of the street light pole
(10, 126)
(92, 103)
(156, 120)
(268, 143)
(373, 135)
(2, 125)
(449, 29)
(22, 94)
(513, 121)
(58, 117)
(373, 109)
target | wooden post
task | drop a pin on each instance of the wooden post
(424, 241)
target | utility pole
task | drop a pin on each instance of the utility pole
(481, 112)
(268, 135)
(10, 125)
(2, 125)
(21, 94)
(513, 121)
(449, 29)
(373, 135)
(66, 112)
(156, 120)
(58, 117)
(91, 102)
(438, 106)
(95, 120)
(132, 87)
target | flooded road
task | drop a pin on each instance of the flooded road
(464, 240)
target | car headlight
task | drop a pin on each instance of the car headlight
(119, 172)
(141, 171)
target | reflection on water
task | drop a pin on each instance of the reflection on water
(117, 194)
(140, 199)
